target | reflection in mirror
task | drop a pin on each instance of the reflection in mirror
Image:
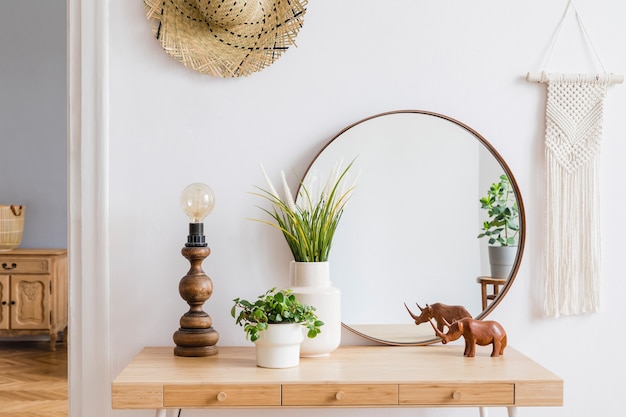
(409, 233)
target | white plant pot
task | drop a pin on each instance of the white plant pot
(310, 283)
(278, 346)
(501, 259)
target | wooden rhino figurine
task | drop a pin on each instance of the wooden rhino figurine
(475, 332)
(440, 312)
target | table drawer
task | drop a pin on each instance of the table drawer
(10, 265)
(457, 394)
(338, 395)
(214, 395)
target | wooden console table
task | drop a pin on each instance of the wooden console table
(352, 376)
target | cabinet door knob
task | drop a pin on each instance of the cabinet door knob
(7, 266)
(340, 395)
(457, 395)
(4, 303)
(221, 396)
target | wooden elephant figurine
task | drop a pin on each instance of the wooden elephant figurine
(440, 312)
(475, 332)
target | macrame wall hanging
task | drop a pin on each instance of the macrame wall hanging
(574, 116)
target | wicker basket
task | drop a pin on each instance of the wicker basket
(11, 226)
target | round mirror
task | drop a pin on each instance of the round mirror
(410, 231)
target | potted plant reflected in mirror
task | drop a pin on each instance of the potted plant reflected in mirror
(501, 227)
(276, 322)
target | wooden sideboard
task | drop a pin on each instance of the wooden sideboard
(352, 376)
(33, 292)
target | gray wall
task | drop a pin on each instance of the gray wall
(33, 128)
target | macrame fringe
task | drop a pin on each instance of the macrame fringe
(573, 248)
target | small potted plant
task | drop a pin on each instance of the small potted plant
(501, 227)
(274, 322)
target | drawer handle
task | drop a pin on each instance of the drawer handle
(340, 395)
(7, 266)
(456, 395)
(221, 396)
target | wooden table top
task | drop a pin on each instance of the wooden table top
(155, 367)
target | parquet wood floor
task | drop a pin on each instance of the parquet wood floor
(33, 379)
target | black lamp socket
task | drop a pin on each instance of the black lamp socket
(196, 235)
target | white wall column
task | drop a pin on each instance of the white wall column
(89, 338)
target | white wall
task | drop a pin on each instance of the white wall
(33, 133)
(170, 126)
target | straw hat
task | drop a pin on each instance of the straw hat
(226, 38)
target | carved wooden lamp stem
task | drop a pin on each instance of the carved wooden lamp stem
(196, 336)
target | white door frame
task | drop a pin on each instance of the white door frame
(88, 207)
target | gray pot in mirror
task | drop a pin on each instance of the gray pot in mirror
(409, 233)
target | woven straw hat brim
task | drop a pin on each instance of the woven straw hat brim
(232, 51)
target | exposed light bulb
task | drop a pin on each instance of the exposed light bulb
(197, 201)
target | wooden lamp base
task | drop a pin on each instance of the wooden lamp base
(195, 337)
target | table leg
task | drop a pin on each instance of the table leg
(512, 411)
(483, 294)
(483, 411)
(53, 340)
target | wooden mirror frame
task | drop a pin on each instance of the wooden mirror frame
(522, 220)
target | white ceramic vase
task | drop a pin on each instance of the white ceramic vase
(310, 282)
(278, 346)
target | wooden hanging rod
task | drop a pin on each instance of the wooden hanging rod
(544, 77)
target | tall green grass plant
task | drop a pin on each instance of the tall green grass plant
(308, 223)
